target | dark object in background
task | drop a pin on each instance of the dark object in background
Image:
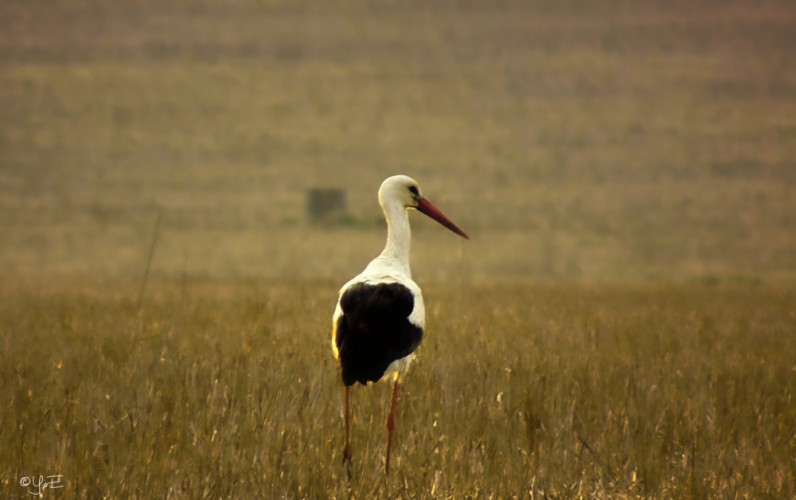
(325, 205)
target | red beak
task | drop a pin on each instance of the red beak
(435, 213)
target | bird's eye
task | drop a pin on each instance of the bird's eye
(413, 190)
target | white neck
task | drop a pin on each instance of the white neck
(399, 236)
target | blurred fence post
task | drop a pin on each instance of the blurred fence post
(326, 205)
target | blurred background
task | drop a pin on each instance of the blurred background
(576, 141)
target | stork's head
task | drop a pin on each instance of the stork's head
(405, 191)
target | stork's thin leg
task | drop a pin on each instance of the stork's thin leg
(347, 447)
(390, 426)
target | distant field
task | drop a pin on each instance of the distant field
(648, 141)
(231, 391)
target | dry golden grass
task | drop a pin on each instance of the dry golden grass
(230, 391)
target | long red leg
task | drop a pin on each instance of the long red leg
(390, 426)
(347, 448)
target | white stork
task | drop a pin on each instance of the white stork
(379, 318)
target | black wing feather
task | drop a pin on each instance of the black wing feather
(374, 330)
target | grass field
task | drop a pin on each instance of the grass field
(621, 323)
(650, 141)
(568, 392)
